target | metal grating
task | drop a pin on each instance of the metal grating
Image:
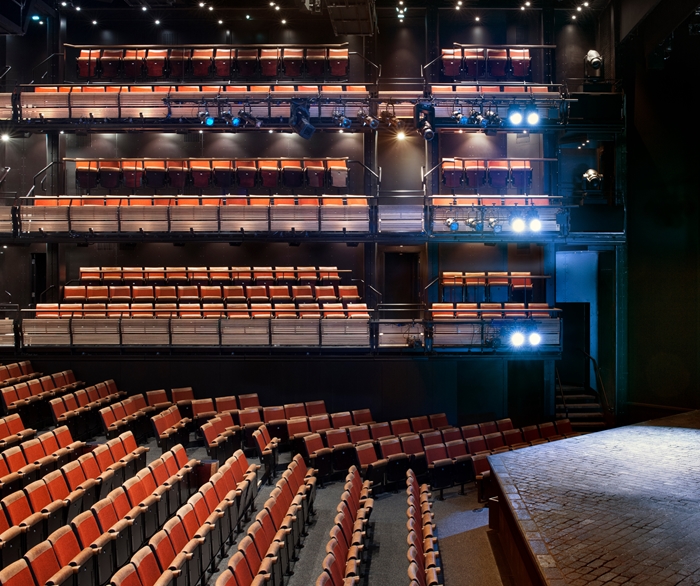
(352, 17)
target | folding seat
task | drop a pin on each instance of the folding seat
(380, 430)
(482, 475)
(419, 424)
(34, 452)
(338, 173)
(513, 438)
(261, 310)
(495, 443)
(133, 61)
(373, 469)
(565, 429)
(246, 173)
(87, 63)
(325, 293)
(110, 62)
(247, 62)
(488, 427)
(520, 62)
(504, 424)
(476, 287)
(452, 172)
(398, 461)
(441, 311)
(318, 456)
(269, 61)
(401, 427)
(202, 60)
(342, 419)
(499, 174)
(223, 59)
(440, 467)
(16, 462)
(73, 293)
(549, 432)
(155, 173)
(344, 455)
(451, 62)
(338, 62)
(359, 434)
(413, 447)
(463, 471)
(158, 399)
(439, 421)
(430, 438)
(86, 174)
(233, 294)
(309, 311)
(249, 401)
(178, 172)
(51, 513)
(297, 429)
(320, 423)
(155, 62)
(223, 173)
(475, 173)
(521, 175)
(362, 416)
(477, 445)
(497, 62)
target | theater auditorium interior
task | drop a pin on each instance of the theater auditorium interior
(334, 292)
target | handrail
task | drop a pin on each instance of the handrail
(372, 63)
(51, 164)
(44, 61)
(6, 70)
(368, 286)
(4, 172)
(361, 163)
(561, 391)
(606, 405)
(45, 291)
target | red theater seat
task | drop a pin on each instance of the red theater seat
(155, 62)
(521, 175)
(475, 172)
(269, 61)
(247, 62)
(474, 62)
(110, 62)
(292, 60)
(86, 174)
(316, 62)
(87, 63)
(338, 61)
(497, 62)
(452, 172)
(133, 62)
(452, 62)
(520, 62)
(269, 173)
(498, 173)
(223, 59)
(246, 172)
(178, 62)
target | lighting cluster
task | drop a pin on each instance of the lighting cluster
(475, 223)
(530, 115)
(368, 120)
(339, 119)
(584, 144)
(483, 119)
(275, 7)
(519, 337)
(520, 222)
(580, 8)
(401, 10)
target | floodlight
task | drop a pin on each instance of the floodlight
(534, 338)
(340, 119)
(299, 119)
(517, 223)
(515, 115)
(533, 221)
(368, 120)
(517, 339)
(452, 224)
(532, 116)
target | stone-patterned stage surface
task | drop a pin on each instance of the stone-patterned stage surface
(615, 507)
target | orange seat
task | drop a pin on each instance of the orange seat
(247, 62)
(202, 60)
(292, 60)
(315, 173)
(269, 173)
(155, 62)
(452, 172)
(178, 62)
(133, 62)
(474, 62)
(223, 59)
(442, 310)
(87, 62)
(452, 62)
(338, 61)
(316, 61)
(269, 61)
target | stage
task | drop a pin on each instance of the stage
(616, 507)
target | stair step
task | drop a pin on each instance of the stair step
(578, 406)
(588, 425)
(578, 398)
(587, 415)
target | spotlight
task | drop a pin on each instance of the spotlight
(517, 339)
(157, 21)
(77, 8)
(368, 120)
(533, 221)
(452, 224)
(94, 22)
(390, 119)
(495, 225)
(476, 224)
(144, 8)
(209, 121)
(532, 115)
(490, 118)
(5, 137)
(476, 118)
(534, 338)
(227, 117)
(592, 60)
(340, 119)
(424, 119)
(515, 115)
(247, 16)
(400, 135)
(202, 116)
(460, 118)
(517, 223)
(592, 180)
(299, 119)
(245, 118)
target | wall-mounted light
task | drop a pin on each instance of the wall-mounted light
(593, 63)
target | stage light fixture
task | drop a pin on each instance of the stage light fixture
(460, 118)
(534, 223)
(209, 121)
(515, 115)
(452, 224)
(5, 137)
(424, 120)
(475, 117)
(534, 338)
(517, 223)
(594, 60)
(340, 119)
(592, 180)
(491, 119)
(248, 119)
(203, 115)
(367, 120)
(390, 119)
(476, 224)
(495, 225)
(35, 17)
(517, 339)
(299, 117)
(532, 116)
(400, 135)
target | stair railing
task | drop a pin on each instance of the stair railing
(608, 410)
(561, 391)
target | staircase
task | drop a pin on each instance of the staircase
(583, 407)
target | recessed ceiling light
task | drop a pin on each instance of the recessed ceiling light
(94, 22)
(277, 7)
(41, 22)
(157, 21)
(522, 8)
(64, 3)
(457, 7)
(477, 19)
(211, 8)
(284, 21)
(144, 8)
(221, 22)
(573, 17)
(77, 8)
(578, 8)
(247, 16)
(202, 4)
(5, 137)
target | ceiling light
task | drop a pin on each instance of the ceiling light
(573, 17)
(515, 115)
(157, 21)
(247, 16)
(94, 22)
(202, 4)
(77, 8)
(284, 21)
(522, 8)
(64, 3)
(221, 22)
(476, 224)
(41, 22)
(495, 225)
(457, 7)
(144, 8)
(277, 7)
(578, 9)
(477, 19)
(390, 120)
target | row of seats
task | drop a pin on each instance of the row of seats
(234, 202)
(202, 173)
(260, 275)
(265, 554)
(132, 414)
(207, 62)
(12, 431)
(424, 567)
(78, 410)
(475, 62)
(190, 542)
(17, 372)
(514, 279)
(281, 92)
(40, 507)
(206, 310)
(461, 90)
(29, 398)
(96, 542)
(490, 310)
(171, 428)
(20, 465)
(222, 437)
(457, 172)
(209, 293)
(348, 537)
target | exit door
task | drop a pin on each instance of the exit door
(401, 285)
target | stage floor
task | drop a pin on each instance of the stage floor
(616, 507)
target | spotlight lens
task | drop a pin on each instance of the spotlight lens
(5, 137)
(401, 135)
(517, 339)
(533, 118)
(535, 225)
(209, 121)
(515, 118)
(518, 225)
(534, 338)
